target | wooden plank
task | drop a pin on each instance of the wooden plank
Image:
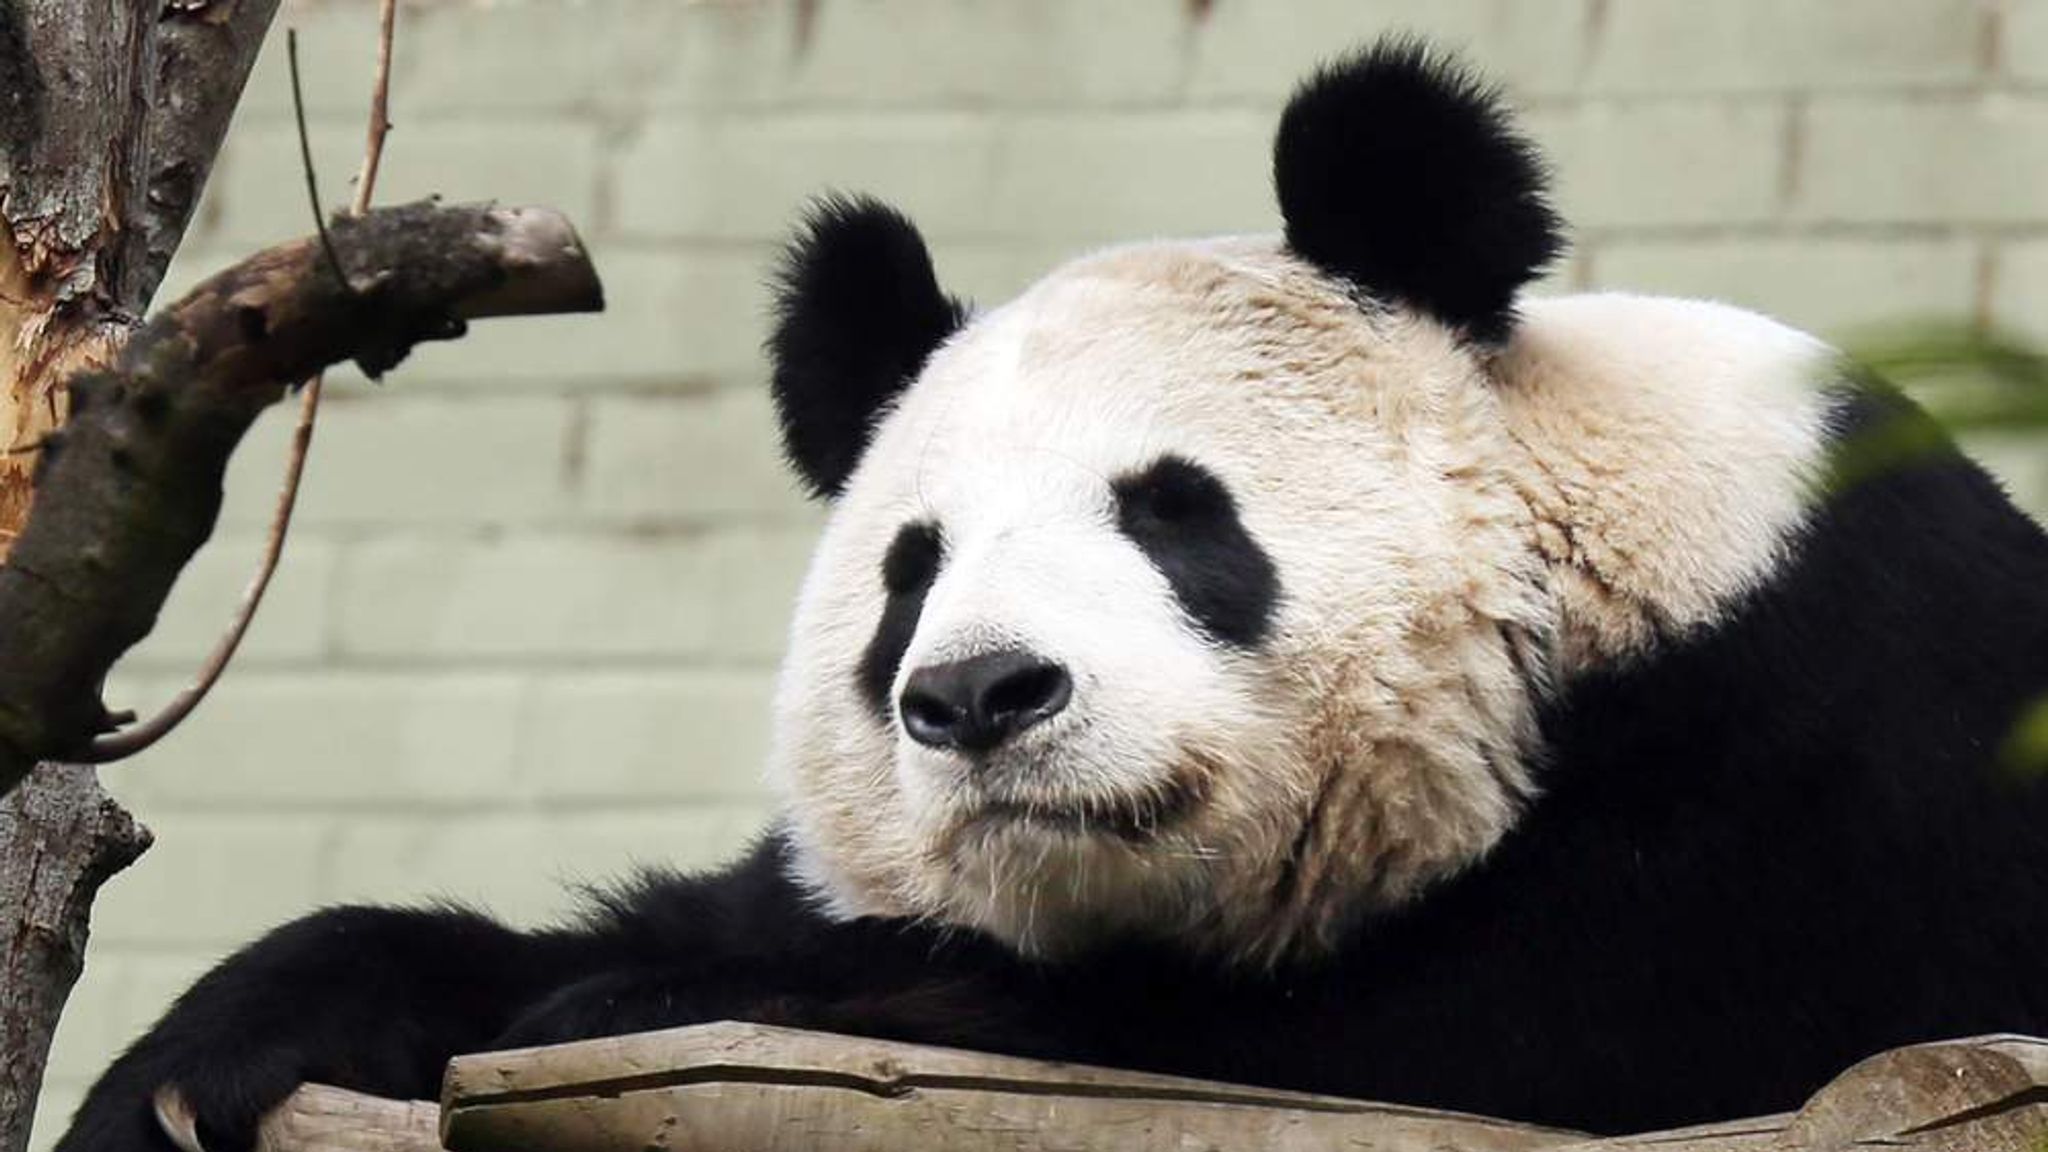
(750, 1088)
(1987, 1094)
(1764, 1134)
(737, 1087)
(319, 1119)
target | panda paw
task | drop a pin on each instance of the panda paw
(147, 1104)
(370, 999)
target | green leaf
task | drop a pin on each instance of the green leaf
(1970, 378)
(2026, 746)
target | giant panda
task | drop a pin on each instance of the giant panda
(1305, 661)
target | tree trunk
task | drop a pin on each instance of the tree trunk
(60, 838)
(114, 110)
(111, 112)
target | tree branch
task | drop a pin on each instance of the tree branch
(133, 740)
(129, 489)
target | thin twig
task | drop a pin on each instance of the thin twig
(129, 741)
(380, 109)
(291, 51)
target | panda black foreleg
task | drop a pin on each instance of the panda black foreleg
(378, 999)
(748, 945)
(948, 1009)
(372, 999)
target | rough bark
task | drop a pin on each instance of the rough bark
(111, 112)
(61, 838)
(129, 488)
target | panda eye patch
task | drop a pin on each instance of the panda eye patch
(908, 568)
(1173, 491)
(912, 559)
(1182, 516)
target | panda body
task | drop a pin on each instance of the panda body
(1306, 661)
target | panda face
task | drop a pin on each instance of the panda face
(1125, 588)
(1209, 589)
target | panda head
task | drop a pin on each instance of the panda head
(1196, 592)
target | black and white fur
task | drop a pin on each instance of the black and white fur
(1306, 662)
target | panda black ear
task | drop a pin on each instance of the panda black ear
(857, 311)
(1399, 171)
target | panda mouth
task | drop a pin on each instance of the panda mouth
(1134, 817)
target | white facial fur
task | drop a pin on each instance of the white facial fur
(1451, 536)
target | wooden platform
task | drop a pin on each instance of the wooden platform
(748, 1088)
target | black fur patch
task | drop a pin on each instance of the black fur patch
(857, 310)
(1184, 519)
(908, 569)
(1398, 171)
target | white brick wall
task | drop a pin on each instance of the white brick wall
(526, 627)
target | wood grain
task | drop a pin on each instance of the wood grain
(321, 1119)
(749, 1088)
(736, 1087)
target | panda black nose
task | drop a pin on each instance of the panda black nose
(977, 703)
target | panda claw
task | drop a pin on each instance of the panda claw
(175, 1116)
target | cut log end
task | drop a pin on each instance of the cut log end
(548, 269)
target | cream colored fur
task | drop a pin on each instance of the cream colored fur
(1453, 536)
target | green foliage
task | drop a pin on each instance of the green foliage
(1968, 378)
(2026, 749)
(1971, 380)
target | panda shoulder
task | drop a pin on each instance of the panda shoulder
(1619, 343)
